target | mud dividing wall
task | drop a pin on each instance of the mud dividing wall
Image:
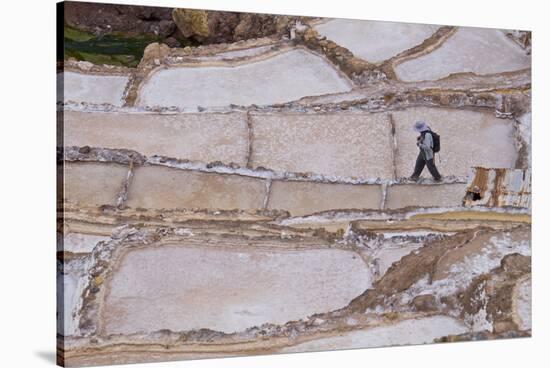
(253, 197)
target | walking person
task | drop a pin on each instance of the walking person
(428, 144)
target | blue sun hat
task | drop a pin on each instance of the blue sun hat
(420, 126)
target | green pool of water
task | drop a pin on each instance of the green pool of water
(111, 49)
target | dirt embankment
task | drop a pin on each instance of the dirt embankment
(173, 25)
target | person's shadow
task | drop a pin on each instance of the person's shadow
(48, 356)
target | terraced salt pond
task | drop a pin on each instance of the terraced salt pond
(400, 196)
(408, 332)
(98, 89)
(281, 78)
(344, 144)
(375, 41)
(200, 137)
(476, 50)
(183, 288)
(160, 187)
(360, 144)
(468, 139)
(257, 216)
(93, 183)
(301, 198)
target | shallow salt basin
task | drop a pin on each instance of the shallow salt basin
(477, 50)
(89, 88)
(409, 332)
(302, 198)
(93, 184)
(341, 144)
(468, 139)
(400, 196)
(200, 137)
(183, 288)
(281, 78)
(375, 41)
(162, 187)
(360, 144)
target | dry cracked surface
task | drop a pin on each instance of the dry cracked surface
(252, 197)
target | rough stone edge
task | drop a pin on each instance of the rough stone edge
(388, 98)
(360, 71)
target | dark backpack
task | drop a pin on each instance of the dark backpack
(436, 140)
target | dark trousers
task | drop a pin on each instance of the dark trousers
(419, 166)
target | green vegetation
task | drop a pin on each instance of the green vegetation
(74, 34)
(114, 49)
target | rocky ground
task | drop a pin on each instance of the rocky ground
(117, 34)
(249, 195)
